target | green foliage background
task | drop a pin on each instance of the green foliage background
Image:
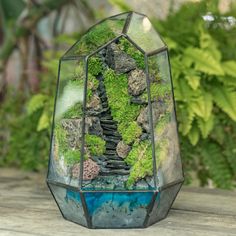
(203, 63)
(204, 78)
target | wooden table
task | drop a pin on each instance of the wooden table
(27, 208)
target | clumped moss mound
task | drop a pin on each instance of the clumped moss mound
(95, 144)
(99, 35)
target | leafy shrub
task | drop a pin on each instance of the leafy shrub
(205, 90)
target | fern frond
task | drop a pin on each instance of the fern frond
(194, 135)
(204, 61)
(217, 165)
(44, 121)
(36, 103)
(202, 106)
(205, 126)
(229, 68)
(225, 98)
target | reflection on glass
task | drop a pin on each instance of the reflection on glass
(70, 204)
(66, 143)
(143, 34)
(164, 121)
(98, 35)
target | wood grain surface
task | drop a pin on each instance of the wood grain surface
(27, 208)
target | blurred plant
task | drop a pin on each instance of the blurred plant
(204, 79)
(27, 111)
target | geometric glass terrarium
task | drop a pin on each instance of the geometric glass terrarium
(114, 158)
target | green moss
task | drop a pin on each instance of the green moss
(140, 158)
(129, 48)
(76, 83)
(95, 66)
(60, 136)
(162, 123)
(95, 144)
(72, 156)
(119, 101)
(99, 35)
(93, 82)
(161, 150)
(74, 111)
(133, 131)
(157, 90)
(79, 72)
(92, 86)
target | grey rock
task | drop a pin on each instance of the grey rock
(143, 118)
(93, 126)
(144, 136)
(94, 103)
(122, 149)
(150, 181)
(158, 108)
(109, 171)
(112, 157)
(137, 100)
(136, 82)
(119, 60)
(93, 113)
(141, 184)
(110, 152)
(74, 131)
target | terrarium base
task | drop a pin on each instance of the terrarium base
(113, 209)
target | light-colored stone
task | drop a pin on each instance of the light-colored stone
(122, 149)
(136, 82)
(94, 103)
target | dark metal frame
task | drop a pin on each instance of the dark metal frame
(85, 58)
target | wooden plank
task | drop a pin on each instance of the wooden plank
(27, 208)
(208, 201)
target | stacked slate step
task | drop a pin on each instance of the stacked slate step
(110, 162)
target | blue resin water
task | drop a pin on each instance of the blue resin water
(72, 195)
(95, 200)
(116, 209)
(135, 200)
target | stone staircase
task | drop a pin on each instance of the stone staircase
(110, 162)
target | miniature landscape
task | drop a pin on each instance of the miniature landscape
(117, 150)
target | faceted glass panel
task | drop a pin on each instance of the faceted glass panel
(98, 35)
(69, 203)
(117, 209)
(163, 203)
(67, 131)
(118, 148)
(168, 162)
(143, 34)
